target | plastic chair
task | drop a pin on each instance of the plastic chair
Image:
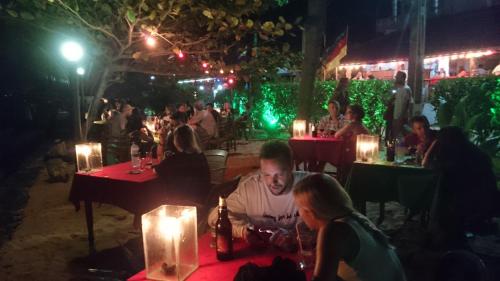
(217, 161)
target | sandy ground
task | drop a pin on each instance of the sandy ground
(51, 242)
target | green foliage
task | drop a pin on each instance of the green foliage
(276, 106)
(474, 105)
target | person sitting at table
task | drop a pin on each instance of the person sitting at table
(265, 199)
(333, 121)
(421, 137)
(204, 124)
(354, 126)
(186, 174)
(354, 115)
(349, 246)
(466, 196)
(167, 134)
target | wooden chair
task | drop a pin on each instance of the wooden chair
(217, 161)
(226, 136)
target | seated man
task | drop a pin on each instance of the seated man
(265, 199)
(203, 123)
(333, 121)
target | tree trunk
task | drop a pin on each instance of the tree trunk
(417, 49)
(94, 105)
(313, 35)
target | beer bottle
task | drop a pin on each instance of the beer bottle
(223, 233)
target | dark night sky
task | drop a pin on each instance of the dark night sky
(359, 15)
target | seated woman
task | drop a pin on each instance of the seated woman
(421, 137)
(349, 247)
(186, 174)
(334, 120)
(354, 115)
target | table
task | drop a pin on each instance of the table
(212, 269)
(310, 149)
(385, 181)
(136, 193)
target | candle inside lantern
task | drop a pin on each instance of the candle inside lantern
(299, 128)
(366, 148)
(171, 230)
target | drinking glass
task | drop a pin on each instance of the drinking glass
(307, 245)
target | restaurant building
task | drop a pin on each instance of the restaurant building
(457, 45)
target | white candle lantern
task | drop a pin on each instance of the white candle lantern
(88, 157)
(299, 128)
(366, 148)
(170, 240)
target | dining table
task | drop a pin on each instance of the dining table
(212, 269)
(381, 181)
(311, 150)
(136, 191)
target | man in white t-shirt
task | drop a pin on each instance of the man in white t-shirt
(265, 199)
(402, 100)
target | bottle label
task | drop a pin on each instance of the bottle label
(223, 244)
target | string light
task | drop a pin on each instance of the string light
(221, 71)
(150, 41)
(205, 65)
(180, 55)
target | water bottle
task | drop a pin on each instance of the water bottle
(401, 150)
(135, 157)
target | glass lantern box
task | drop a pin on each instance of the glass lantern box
(170, 242)
(88, 157)
(367, 148)
(299, 128)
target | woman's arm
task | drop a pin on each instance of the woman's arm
(342, 132)
(337, 241)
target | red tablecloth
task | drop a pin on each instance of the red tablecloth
(317, 149)
(212, 269)
(136, 193)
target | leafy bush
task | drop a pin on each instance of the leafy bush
(472, 104)
(276, 106)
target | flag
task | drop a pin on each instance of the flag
(335, 53)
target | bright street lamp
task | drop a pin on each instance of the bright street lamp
(72, 51)
(80, 70)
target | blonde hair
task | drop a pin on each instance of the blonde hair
(185, 140)
(327, 198)
(329, 201)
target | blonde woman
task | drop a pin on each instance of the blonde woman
(349, 246)
(185, 173)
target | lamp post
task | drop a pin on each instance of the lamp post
(73, 53)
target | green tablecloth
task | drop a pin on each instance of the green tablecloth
(382, 182)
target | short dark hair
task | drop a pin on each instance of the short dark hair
(210, 104)
(185, 139)
(358, 111)
(279, 151)
(179, 116)
(420, 119)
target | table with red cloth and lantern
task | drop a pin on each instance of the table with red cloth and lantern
(308, 149)
(118, 186)
(212, 269)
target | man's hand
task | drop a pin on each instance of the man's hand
(284, 240)
(254, 239)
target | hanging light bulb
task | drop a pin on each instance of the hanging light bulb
(150, 41)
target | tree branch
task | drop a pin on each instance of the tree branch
(91, 26)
